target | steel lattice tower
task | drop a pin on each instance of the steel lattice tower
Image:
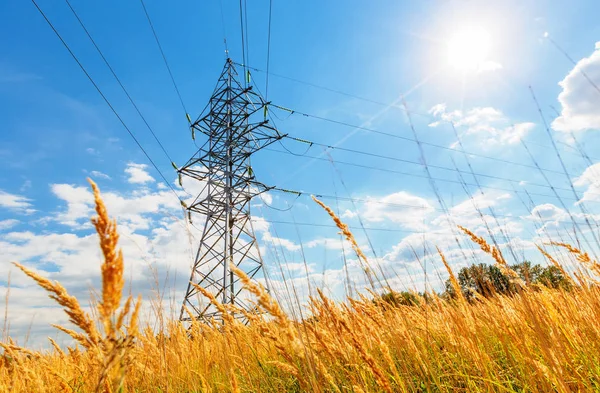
(236, 126)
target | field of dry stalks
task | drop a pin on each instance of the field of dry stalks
(539, 340)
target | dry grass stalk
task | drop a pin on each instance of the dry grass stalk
(556, 264)
(71, 306)
(110, 350)
(540, 341)
(265, 300)
(112, 267)
(227, 317)
(453, 280)
(582, 257)
(380, 376)
(498, 257)
(349, 236)
(235, 388)
(57, 347)
(344, 228)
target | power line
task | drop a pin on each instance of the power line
(345, 124)
(355, 151)
(379, 202)
(351, 227)
(224, 29)
(243, 43)
(247, 35)
(409, 174)
(118, 80)
(268, 51)
(164, 58)
(103, 96)
(381, 103)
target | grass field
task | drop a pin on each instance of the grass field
(537, 339)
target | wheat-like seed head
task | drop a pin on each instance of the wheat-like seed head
(134, 320)
(497, 255)
(485, 247)
(264, 299)
(582, 257)
(453, 280)
(123, 313)
(358, 344)
(56, 347)
(362, 258)
(227, 317)
(556, 264)
(235, 388)
(71, 306)
(112, 267)
(343, 227)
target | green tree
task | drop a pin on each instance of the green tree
(403, 298)
(487, 280)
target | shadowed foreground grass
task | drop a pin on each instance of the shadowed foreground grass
(539, 340)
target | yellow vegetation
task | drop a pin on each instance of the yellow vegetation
(535, 341)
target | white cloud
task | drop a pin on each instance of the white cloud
(79, 203)
(300, 267)
(138, 174)
(260, 224)
(153, 235)
(329, 243)
(490, 125)
(278, 241)
(100, 175)
(579, 98)
(548, 212)
(479, 201)
(133, 209)
(349, 214)
(92, 151)
(15, 202)
(590, 178)
(7, 224)
(400, 207)
(554, 221)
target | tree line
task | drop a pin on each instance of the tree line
(483, 280)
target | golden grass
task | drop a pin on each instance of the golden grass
(534, 341)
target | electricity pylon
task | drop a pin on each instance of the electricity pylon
(235, 127)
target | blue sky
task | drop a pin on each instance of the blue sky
(57, 131)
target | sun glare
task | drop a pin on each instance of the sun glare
(468, 49)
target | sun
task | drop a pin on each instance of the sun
(469, 49)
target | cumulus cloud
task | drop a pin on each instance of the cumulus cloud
(133, 208)
(7, 224)
(138, 174)
(349, 214)
(260, 224)
(400, 208)
(480, 201)
(490, 125)
(79, 203)
(329, 243)
(17, 203)
(589, 178)
(579, 97)
(278, 241)
(162, 247)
